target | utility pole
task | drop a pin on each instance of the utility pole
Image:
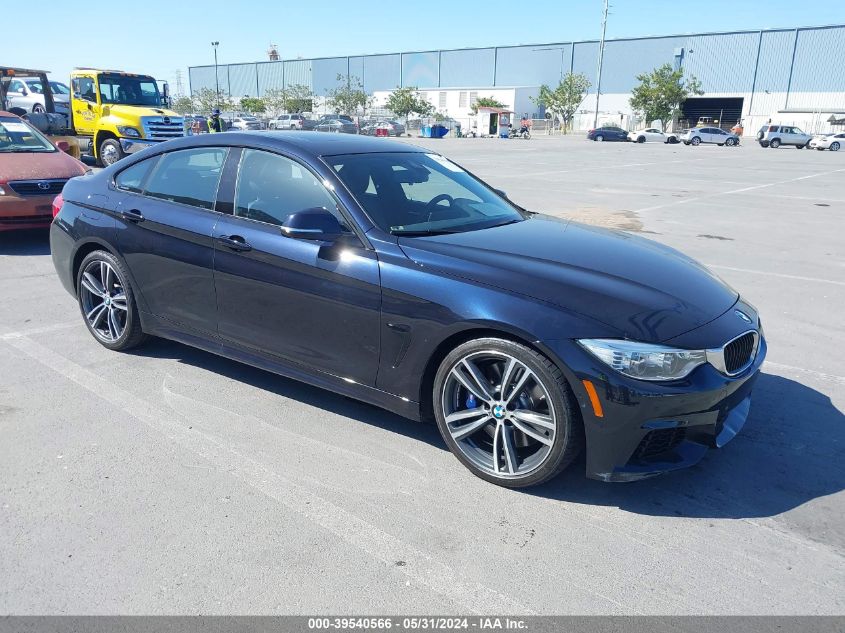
(601, 59)
(214, 45)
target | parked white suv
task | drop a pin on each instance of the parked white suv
(290, 122)
(776, 135)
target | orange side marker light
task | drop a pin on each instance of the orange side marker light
(594, 398)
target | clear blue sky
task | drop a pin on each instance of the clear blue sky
(158, 37)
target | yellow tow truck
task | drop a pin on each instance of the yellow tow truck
(120, 113)
(110, 113)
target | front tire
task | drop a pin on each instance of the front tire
(38, 109)
(834, 147)
(730, 142)
(107, 302)
(506, 412)
(110, 152)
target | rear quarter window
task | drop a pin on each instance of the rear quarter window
(132, 178)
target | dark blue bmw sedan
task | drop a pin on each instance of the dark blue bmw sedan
(390, 274)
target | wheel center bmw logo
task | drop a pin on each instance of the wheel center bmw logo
(498, 412)
(742, 316)
(107, 300)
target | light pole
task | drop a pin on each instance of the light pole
(601, 59)
(214, 45)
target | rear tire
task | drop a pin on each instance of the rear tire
(38, 109)
(107, 302)
(497, 446)
(800, 146)
(696, 141)
(599, 138)
(774, 143)
(641, 139)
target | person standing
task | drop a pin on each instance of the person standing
(215, 123)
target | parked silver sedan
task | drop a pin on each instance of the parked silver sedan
(337, 126)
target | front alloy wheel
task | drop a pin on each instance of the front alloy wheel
(834, 147)
(506, 412)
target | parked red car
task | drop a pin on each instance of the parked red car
(32, 172)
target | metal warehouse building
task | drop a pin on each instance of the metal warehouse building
(795, 76)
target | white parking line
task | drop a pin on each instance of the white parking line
(801, 370)
(419, 566)
(781, 275)
(735, 191)
(67, 325)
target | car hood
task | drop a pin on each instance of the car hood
(130, 111)
(646, 291)
(39, 166)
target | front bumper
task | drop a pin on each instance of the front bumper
(25, 212)
(133, 145)
(649, 428)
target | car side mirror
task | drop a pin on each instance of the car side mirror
(316, 223)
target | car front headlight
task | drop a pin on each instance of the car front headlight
(645, 361)
(129, 132)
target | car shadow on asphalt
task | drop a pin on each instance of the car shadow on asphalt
(26, 242)
(293, 389)
(788, 454)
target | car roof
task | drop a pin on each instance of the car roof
(313, 144)
(4, 113)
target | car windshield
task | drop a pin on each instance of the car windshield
(18, 137)
(140, 91)
(418, 194)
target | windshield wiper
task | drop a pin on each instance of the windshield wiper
(421, 233)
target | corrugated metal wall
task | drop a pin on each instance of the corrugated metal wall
(532, 65)
(467, 68)
(624, 60)
(243, 80)
(794, 65)
(421, 69)
(324, 73)
(819, 67)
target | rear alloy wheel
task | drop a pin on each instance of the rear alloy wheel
(800, 146)
(107, 302)
(774, 143)
(695, 140)
(506, 412)
(834, 147)
(599, 138)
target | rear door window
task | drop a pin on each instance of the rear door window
(188, 176)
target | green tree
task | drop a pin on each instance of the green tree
(565, 99)
(486, 102)
(183, 105)
(205, 100)
(405, 101)
(253, 105)
(347, 96)
(661, 93)
(299, 98)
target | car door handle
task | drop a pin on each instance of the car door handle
(132, 215)
(235, 242)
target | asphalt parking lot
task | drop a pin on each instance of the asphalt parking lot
(170, 481)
